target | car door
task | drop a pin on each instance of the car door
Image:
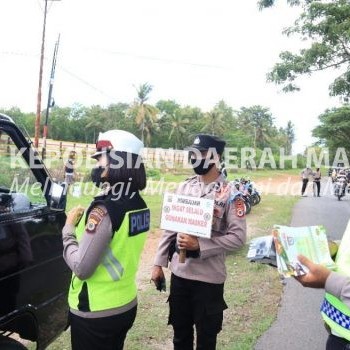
(34, 278)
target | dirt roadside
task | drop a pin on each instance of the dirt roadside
(283, 184)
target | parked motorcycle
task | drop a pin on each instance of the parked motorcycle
(253, 192)
(247, 191)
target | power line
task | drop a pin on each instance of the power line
(85, 82)
(14, 53)
(149, 58)
(161, 59)
(102, 92)
(74, 75)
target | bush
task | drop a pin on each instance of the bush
(153, 174)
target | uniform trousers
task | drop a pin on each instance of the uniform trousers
(103, 333)
(337, 343)
(303, 188)
(318, 185)
(195, 303)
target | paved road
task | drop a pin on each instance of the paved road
(298, 325)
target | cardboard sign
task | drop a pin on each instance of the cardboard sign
(187, 214)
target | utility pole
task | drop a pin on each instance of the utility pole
(50, 102)
(38, 104)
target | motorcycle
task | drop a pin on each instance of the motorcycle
(340, 189)
(254, 193)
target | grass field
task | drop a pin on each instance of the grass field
(252, 291)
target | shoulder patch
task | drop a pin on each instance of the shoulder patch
(139, 222)
(99, 211)
(239, 207)
(95, 217)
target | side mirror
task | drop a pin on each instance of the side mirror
(58, 196)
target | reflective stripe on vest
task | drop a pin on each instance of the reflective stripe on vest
(334, 312)
(113, 266)
(337, 315)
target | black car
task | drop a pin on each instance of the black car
(34, 278)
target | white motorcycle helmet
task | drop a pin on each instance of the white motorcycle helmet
(117, 140)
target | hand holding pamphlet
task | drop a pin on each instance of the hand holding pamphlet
(289, 242)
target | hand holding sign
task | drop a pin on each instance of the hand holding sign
(186, 242)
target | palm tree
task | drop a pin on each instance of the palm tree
(145, 114)
(258, 122)
(178, 130)
(214, 123)
(96, 120)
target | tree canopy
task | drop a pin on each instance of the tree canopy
(175, 126)
(334, 128)
(325, 26)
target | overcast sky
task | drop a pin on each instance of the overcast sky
(196, 52)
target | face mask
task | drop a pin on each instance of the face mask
(202, 167)
(96, 174)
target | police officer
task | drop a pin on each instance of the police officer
(69, 172)
(103, 247)
(317, 179)
(335, 309)
(305, 174)
(336, 305)
(197, 286)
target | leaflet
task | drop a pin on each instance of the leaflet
(282, 248)
(310, 241)
(262, 250)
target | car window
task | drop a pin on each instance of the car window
(19, 189)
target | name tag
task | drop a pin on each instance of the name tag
(139, 222)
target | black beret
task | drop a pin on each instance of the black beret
(203, 142)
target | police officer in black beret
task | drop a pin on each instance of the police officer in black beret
(197, 285)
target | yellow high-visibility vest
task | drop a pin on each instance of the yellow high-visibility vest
(335, 313)
(113, 282)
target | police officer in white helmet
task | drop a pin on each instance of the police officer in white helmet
(103, 244)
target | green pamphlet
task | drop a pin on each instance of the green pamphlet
(290, 242)
(282, 248)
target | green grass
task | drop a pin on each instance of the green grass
(252, 291)
(261, 174)
(153, 203)
(84, 200)
(273, 209)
